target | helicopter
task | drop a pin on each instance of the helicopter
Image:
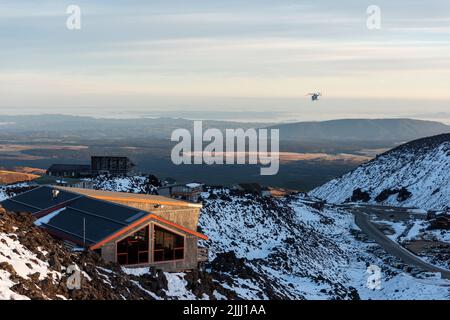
(314, 96)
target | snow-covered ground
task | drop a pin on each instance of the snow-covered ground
(3, 195)
(302, 252)
(24, 263)
(413, 230)
(177, 285)
(6, 189)
(132, 184)
(422, 167)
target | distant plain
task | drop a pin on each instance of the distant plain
(311, 153)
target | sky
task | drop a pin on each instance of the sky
(249, 58)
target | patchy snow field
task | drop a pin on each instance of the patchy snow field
(298, 252)
(422, 167)
(5, 188)
(134, 184)
(3, 195)
(23, 262)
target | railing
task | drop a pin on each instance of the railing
(202, 254)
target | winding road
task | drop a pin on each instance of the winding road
(362, 220)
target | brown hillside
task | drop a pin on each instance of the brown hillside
(9, 177)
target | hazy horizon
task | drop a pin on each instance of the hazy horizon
(245, 117)
(278, 115)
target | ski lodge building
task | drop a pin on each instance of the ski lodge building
(131, 229)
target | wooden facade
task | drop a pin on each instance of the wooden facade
(69, 171)
(187, 260)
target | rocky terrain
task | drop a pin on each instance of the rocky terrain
(300, 248)
(292, 247)
(416, 174)
(134, 184)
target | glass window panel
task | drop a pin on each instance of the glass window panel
(129, 249)
(165, 244)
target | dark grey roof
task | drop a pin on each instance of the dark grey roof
(69, 167)
(101, 218)
(37, 199)
(18, 207)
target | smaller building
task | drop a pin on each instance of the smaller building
(82, 184)
(169, 182)
(120, 166)
(188, 192)
(69, 170)
(74, 183)
(253, 188)
(111, 165)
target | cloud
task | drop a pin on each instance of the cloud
(264, 48)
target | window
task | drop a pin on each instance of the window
(168, 245)
(134, 249)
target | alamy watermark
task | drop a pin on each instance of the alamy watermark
(73, 22)
(373, 21)
(236, 146)
(374, 278)
(74, 279)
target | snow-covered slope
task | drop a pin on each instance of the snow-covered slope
(416, 174)
(296, 248)
(10, 190)
(133, 184)
(277, 252)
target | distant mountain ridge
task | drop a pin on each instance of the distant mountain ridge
(415, 174)
(89, 127)
(350, 130)
(362, 130)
